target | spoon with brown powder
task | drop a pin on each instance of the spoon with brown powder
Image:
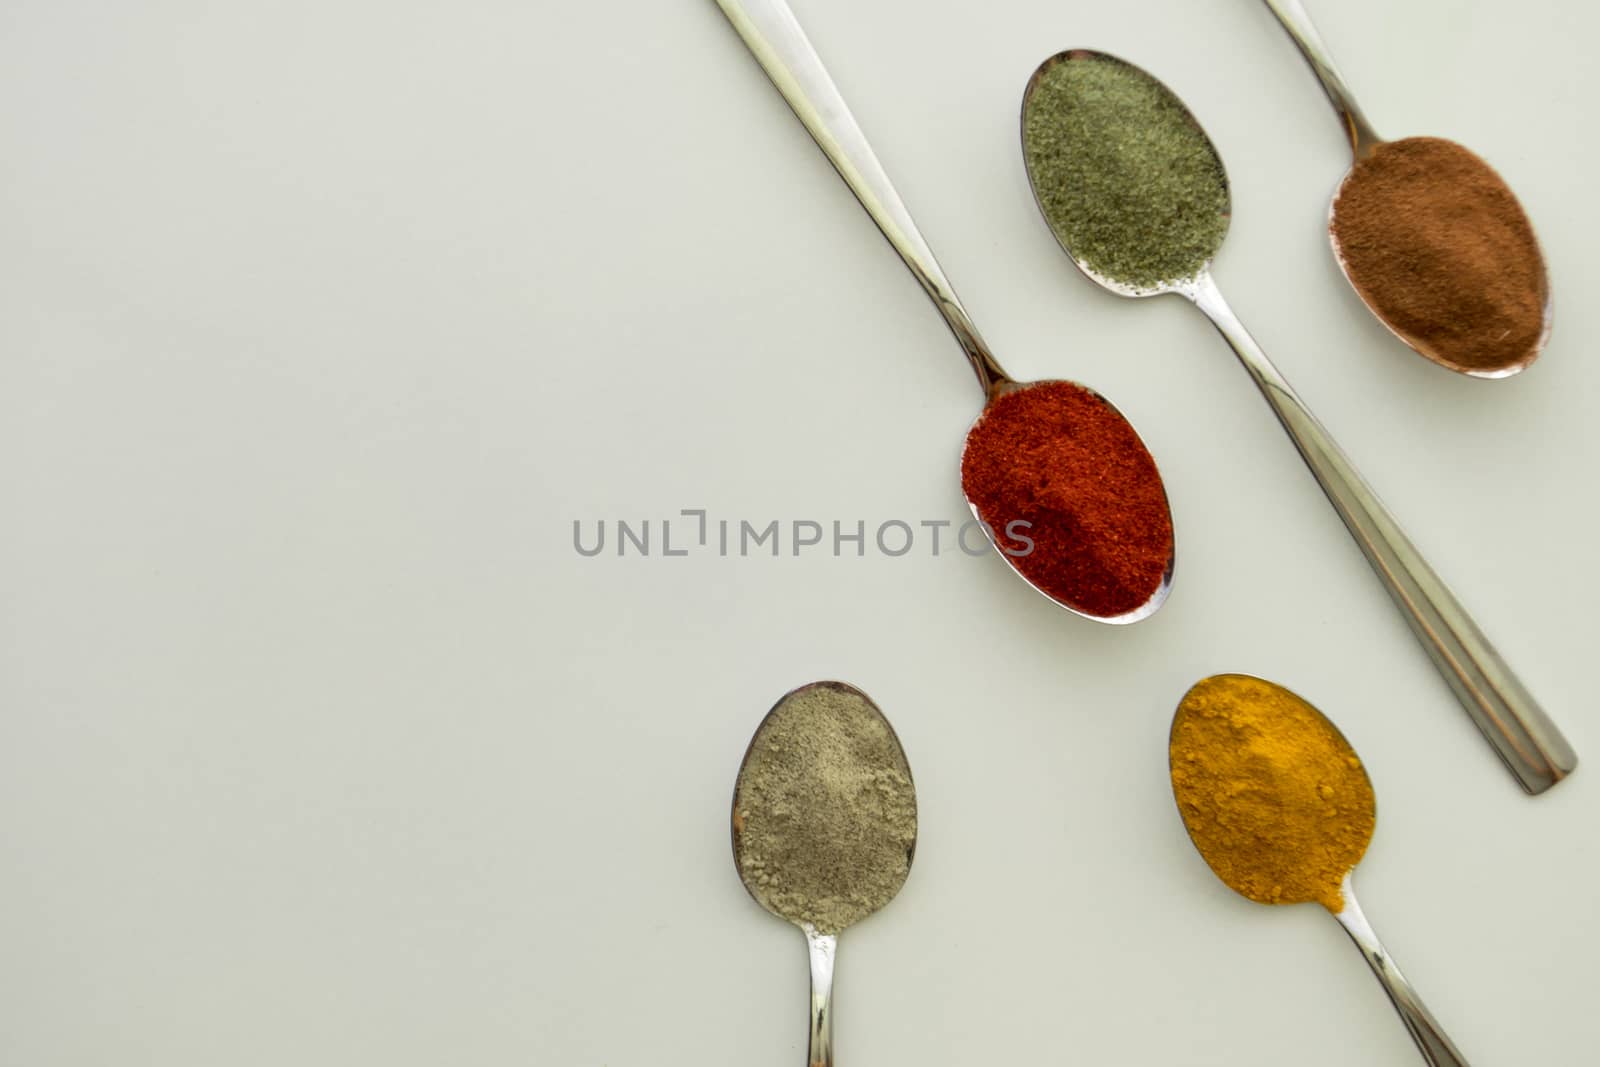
(1051, 460)
(824, 825)
(1431, 237)
(1281, 809)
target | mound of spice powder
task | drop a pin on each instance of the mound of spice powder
(1273, 796)
(1435, 241)
(1125, 177)
(825, 813)
(1058, 457)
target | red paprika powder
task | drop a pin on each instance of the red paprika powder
(1060, 458)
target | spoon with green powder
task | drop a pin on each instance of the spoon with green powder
(1053, 461)
(824, 825)
(1279, 806)
(1137, 196)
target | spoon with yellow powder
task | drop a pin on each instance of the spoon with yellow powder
(824, 825)
(1279, 806)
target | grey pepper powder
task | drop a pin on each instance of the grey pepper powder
(825, 813)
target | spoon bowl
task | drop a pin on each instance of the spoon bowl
(1062, 226)
(1519, 355)
(843, 719)
(1195, 219)
(1080, 555)
(1273, 796)
(773, 35)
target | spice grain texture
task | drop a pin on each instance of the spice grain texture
(1273, 796)
(1059, 458)
(1435, 241)
(1124, 176)
(825, 812)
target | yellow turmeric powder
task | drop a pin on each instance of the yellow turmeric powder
(1272, 794)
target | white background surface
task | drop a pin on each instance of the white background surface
(321, 325)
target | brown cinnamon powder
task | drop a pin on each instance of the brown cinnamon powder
(1437, 243)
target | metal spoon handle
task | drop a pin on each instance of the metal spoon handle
(1295, 19)
(1523, 735)
(775, 38)
(822, 948)
(1432, 1042)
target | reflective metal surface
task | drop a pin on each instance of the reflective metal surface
(1297, 21)
(1525, 738)
(821, 948)
(1432, 1042)
(774, 37)
(1513, 722)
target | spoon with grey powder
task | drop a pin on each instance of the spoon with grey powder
(824, 825)
(1138, 198)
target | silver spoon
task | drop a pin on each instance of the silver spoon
(1363, 142)
(1522, 734)
(774, 37)
(1430, 1038)
(774, 796)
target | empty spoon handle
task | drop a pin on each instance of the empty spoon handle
(822, 948)
(1523, 735)
(1295, 19)
(774, 37)
(1432, 1042)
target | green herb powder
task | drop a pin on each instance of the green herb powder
(1123, 174)
(824, 815)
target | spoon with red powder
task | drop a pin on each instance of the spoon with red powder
(1431, 237)
(1063, 485)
